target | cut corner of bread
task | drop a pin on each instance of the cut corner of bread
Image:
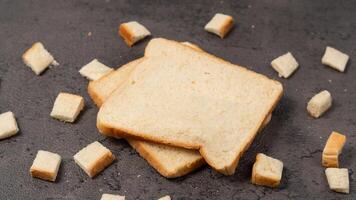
(38, 58)
(177, 79)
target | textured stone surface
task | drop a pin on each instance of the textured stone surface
(265, 30)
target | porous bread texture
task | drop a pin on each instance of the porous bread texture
(94, 158)
(8, 125)
(285, 65)
(267, 171)
(338, 179)
(333, 149)
(38, 58)
(46, 165)
(132, 32)
(67, 107)
(319, 104)
(335, 59)
(220, 24)
(202, 91)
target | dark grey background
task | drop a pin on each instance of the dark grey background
(303, 27)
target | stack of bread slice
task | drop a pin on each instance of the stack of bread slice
(180, 107)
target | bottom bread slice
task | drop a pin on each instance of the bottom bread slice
(170, 162)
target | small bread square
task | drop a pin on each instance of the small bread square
(94, 158)
(335, 59)
(266, 171)
(8, 125)
(112, 197)
(132, 32)
(95, 70)
(319, 104)
(338, 179)
(38, 58)
(333, 149)
(67, 107)
(285, 65)
(220, 24)
(165, 198)
(46, 165)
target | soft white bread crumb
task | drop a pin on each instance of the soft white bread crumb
(112, 197)
(94, 158)
(338, 179)
(132, 32)
(319, 104)
(220, 24)
(38, 58)
(165, 198)
(266, 171)
(67, 107)
(333, 149)
(285, 65)
(46, 165)
(95, 70)
(8, 125)
(335, 59)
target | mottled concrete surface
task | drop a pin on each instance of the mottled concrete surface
(265, 30)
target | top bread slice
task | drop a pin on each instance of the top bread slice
(191, 99)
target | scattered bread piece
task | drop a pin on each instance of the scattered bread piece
(220, 24)
(167, 197)
(8, 125)
(132, 32)
(267, 171)
(333, 149)
(285, 65)
(319, 104)
(95, 70)
(338, 179)
(335, 59)
(38, 58)
(112, 197)
(67, 107)
(46, 165)
(94, 158)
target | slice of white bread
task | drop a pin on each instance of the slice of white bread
(213, 102)
(112, 197)
(338, 179)
(267, 171)
(94, 158)
(132, 32)
(333, 149)
(38, 58)
(8, 125)
(46, 165)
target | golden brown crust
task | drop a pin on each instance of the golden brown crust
(126, 34)
(226, 27)
(101, 164)
(42, 174)
(332, 149)
(155, 163)
(262, 180)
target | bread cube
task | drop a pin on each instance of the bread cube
(46, 165)
(333, 149)
(319, 104)
(38, 58)
(94, 158)
(266, 171)
(338, 179)
(95, 70)
(67, 107)
(220, 24)
(132, 32)
(112, 197)
(335, 59)
(165, 198)
(285, 65)
(8, 125)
